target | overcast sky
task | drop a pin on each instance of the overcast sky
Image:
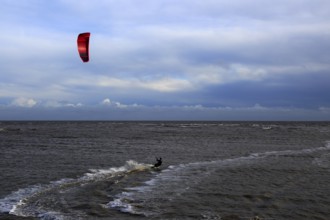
(165, 60)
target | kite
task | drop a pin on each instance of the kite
(83, 46)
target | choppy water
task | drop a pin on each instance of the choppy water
(211, 170)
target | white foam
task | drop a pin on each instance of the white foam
(16, 201)
(130, 166)
(324, 159)
(151, 182)
(9, 203)
(122, 204)
(52, 216)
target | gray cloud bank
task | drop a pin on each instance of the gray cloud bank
(224, 57)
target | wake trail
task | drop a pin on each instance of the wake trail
(177, 179)
(26, 202)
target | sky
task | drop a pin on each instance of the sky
(165, 60)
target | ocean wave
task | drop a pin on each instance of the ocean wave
(175, 180)
(26, 202)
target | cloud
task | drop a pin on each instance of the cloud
(207, 54)
(115, 104)
(24, 102)
(160, 85)
(324, 109)
(59, 104)
(114, 110)
(106, 101)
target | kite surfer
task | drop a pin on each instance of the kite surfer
(159, 162)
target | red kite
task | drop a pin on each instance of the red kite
(83, 46)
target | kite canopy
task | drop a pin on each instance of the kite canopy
(83, 46)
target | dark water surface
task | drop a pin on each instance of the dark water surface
(211, 170)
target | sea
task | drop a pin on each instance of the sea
(56, 170)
